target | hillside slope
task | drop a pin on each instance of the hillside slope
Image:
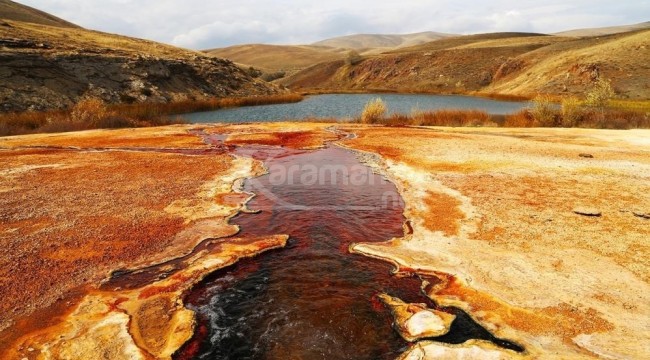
(363, 42)
(10, 10)
(610, 30)
(517, 64)
(278, 57)
(45, 67)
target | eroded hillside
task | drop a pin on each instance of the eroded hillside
(46, 67)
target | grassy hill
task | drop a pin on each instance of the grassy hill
(10, 10)
(516, 64)
(271, 58)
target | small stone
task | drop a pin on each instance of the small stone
(588, 156)
(587, 211)
(641, 214)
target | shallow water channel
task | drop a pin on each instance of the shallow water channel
(312, 299)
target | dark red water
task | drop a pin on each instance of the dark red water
(312, 299)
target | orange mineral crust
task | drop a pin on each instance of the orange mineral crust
(68, 217)
(154, 137)
(540, 235)
(291, 135)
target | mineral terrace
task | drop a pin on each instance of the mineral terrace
(541, 235)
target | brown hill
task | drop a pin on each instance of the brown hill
(605, 30)
(271, 58)
(10, 10)
(46, 67)
(364, 42)
(517, 64)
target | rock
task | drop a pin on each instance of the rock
(416, 321)
(587, 211)
(641, 214)
(588, 156)
(472, 349)
(37, 78)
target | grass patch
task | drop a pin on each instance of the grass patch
(543, 113)
(373, 112)
(94, 114)
(584, 117)
(454, 118)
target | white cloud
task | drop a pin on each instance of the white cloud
(200, 24)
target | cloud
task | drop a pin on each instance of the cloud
(200, 24)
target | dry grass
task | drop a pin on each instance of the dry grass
(635, 105)
(145, 111)
(585, 117)
(572, 114)
(571, 111)
(544, 112)
(373, 112)
(454, 118)
(93, 114)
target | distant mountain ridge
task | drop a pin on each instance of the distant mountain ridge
(10, 10)
(610, 30)
(368, 41)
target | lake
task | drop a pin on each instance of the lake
(350, 106)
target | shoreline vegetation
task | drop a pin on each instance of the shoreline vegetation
(544, 111)
(556, 117)
(95, 114)
(599, 110)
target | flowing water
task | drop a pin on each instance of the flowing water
(312, 299)
(350, 106)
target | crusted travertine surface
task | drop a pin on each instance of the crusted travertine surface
(518, 259)
(136, 324)
(71, 213)
(491, 212)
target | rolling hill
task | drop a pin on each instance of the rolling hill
(48, 67)
(293, 58)
(605, 30)
(371, 42)
(517, 64)
(10, 10)
(270, 58)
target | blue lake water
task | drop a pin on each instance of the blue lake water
(350, 106)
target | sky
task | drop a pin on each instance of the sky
(204, 24)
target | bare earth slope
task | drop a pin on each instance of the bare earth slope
(10, 10)
(45, 67)
(511, 63)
